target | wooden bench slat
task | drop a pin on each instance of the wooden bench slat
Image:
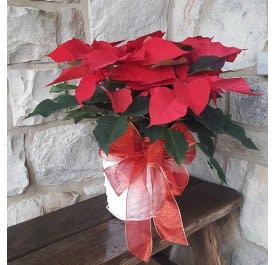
(200, 205)
(37, 233)
(42, 231)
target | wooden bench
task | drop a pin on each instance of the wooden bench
(87, 234)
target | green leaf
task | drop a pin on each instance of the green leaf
(207, 63)
(139, 107)
(109, 129)
(212, 118)
(113, 84)
(154, 132)
(48, 106)
(206, 145)
(99, 96)
(79, 114)
(66, 101)
(175, 144)
(213, 163)
(237, 132)
(44, 108)
(61, 87)
(200, 129)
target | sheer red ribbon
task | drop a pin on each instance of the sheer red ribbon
(152, 178)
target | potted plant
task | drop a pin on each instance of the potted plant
(155, 102)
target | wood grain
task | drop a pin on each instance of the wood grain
(45, 230)
(206, 246)
(201, 204)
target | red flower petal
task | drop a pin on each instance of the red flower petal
(182, 71)
(142, 75)
(238, 85)
(120, 99)
(87, 86)
(71, 73)
(205, 47)
(103, 54)
(156, 50)
(132, 45)
(164, 106)
(142, 86)
(70, 50)
(195, 94)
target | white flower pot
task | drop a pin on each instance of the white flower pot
(116, 204)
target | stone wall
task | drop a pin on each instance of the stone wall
(53, 163)
(233, 23)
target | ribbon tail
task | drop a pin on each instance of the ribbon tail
(139, 238)
(138, 223)
(167, 217)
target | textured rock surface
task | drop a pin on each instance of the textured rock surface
(235, 173)
(184, 17)
(262, 63)
(95, 188)
(254, 210)
(23, 210)
(199, 168)
(65, 153)
(38, 205)
(249, 254)
(114, 20)
(60, 1)
(251, 109)
(228, 144)
(31, 33)
(223, 17)
(71, 25)
(57, 200)
(26, 90)
(18, 179)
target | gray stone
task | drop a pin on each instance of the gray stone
(18, 177)
(114, 20)
(184, 17)
(31, 34)
(71, 25)
(221, 102)
(249, 254)
(254, 210)
(251, 109)
(199, 168)
(236, 170)
(23, 210)
(262, 63)
(57, 200)
(60, 1)
(233, 24)
(95, 188)
(65, 153)
(26, 90)
(235, 148)
(38, 205)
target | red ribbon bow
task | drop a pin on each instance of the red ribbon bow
(152, 178)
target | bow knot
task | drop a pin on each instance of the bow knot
(153, 152)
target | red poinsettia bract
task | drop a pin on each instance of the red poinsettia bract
(154, 67)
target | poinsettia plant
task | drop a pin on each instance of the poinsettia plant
(154, 84)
